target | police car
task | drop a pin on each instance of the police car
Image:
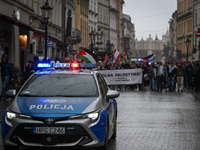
(61, 108)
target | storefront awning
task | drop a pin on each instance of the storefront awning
(53, 38)
(41, 33)
(16, 22)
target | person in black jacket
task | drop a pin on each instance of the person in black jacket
(196, 77)
(6, 73)
(29, 70)
(188, 73)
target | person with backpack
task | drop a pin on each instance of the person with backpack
(196, 77)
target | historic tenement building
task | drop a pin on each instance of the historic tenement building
(196, 55)
(82, 22)
(128, 35)
(185, 27)
(150, 46)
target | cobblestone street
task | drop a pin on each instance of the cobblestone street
(156, 121)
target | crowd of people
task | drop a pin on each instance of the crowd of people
(171, 76)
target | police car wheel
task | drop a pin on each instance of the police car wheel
(10, 148)
(115, 127)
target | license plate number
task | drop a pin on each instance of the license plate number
(48, 130)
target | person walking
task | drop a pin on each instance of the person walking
(161, 73)
(179, 73)
(188, 73)
(171, 77)
(197, 77)
(29, 70)
(6, 74)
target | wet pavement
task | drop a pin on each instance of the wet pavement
(150, 120)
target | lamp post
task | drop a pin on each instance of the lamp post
(92, 39)
(46, 14)
(187, 42)
(99, 35)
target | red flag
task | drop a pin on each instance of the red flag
(106, 58)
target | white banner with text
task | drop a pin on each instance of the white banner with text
(122, 76)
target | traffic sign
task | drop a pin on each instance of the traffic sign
(49, 43)
(198, 34)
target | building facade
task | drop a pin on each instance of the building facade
(173, 38)
(129, 35)
(82, 22)
(120, 26)
(113, 24)
(196, 17)
(150, 46)
(24, 31)
(185, 27)
(93, 15)
(103, 23)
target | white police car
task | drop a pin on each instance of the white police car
(61, 108)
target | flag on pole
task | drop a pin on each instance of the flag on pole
(150, 58)
(106, 58)
(88, 56)
(125, 56)
(116, 56)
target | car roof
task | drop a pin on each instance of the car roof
(65, 71)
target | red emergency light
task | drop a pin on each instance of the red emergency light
(74, 65)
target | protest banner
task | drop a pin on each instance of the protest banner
(122, 76)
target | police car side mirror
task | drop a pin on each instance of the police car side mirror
(112, 94)
(10, 93)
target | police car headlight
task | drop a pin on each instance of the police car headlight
(93, 116)
(10, 116)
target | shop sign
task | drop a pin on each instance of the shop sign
(17, 14)
(73, 52)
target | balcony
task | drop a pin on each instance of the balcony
(75, 36)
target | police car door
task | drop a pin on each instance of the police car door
(109, 103)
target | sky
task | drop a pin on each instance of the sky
(150, 16)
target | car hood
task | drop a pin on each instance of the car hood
(54, 106)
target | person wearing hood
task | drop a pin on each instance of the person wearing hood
(6, 73)
(29, 70)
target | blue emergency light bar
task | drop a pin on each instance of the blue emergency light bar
(65, 65)
(44, 65)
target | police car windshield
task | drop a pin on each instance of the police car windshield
(59, 85)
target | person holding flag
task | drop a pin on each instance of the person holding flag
(106, 58)
(116, 56)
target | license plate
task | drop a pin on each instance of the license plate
(49, 130)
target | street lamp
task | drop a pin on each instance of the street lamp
(187, 42)
(46, 14)
(92, 38)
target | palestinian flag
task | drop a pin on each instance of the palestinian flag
(116, 56)
(106, 58)
(88, 56)
(150, 58)
(125, 56)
